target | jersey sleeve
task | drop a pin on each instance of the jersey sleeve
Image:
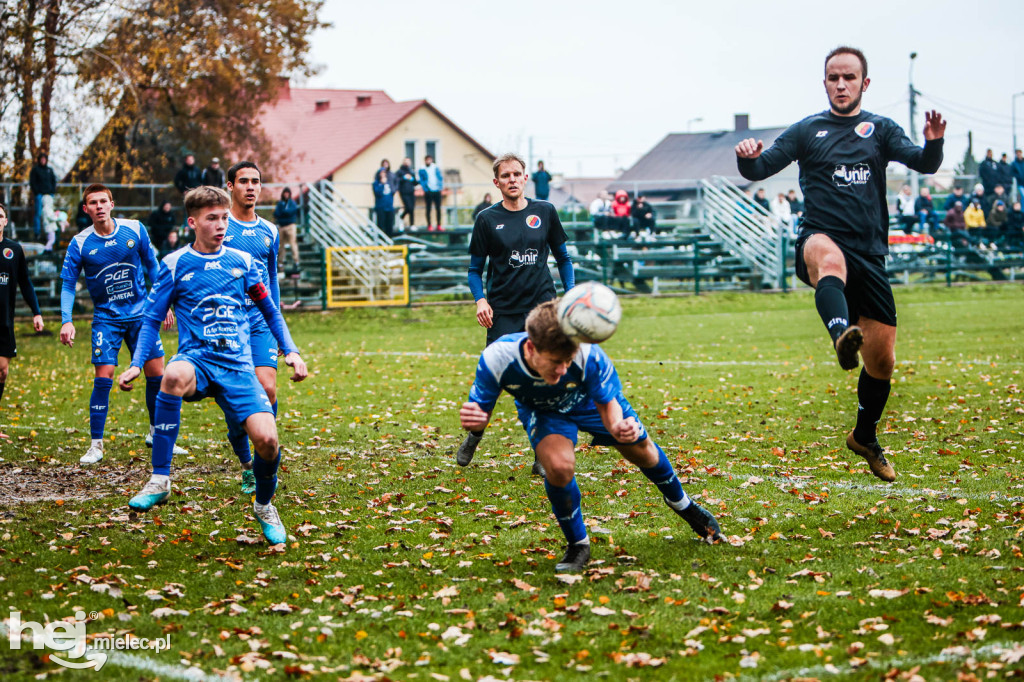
(275, 287)
(478, 240)
(28, 292)
(160, 297)
(72, 262)
(784, 151)
(600, 378)
(147, 255)
(485, 389)
(556, 233)
(898, 147)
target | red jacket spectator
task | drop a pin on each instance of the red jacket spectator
(621, 207)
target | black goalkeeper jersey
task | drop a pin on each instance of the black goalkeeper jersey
(842, 173)
(14, 275)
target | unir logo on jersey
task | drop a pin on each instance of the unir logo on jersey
(518, 260)
(533, 221)
(865, 129)
(858, 174)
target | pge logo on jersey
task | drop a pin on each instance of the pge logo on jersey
(858, 174)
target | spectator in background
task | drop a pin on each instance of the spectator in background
(599, 210)
(541, 182)
(796, 207)
(43, 183)
(432, 182)
(957, 195)
(188, 176)
(643, 214)
(996, 222)
(486, 203)
(905, 210)
(1005, 173)
(407, 182)
(988, 172)
(213, 175)
(925, 209)
(1017, 168)
(161, 223)
(1015, 226)
(54, 220)
(618, 218)
(974, 220)
(782, 212)
(954, 222)
(979, 194)
(999, 194)
(761, 199)
(385, 166)
(170, 244)
(384, 203)
(286, 215)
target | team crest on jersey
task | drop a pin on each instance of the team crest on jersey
(533, 221)
(266, 242)
(8, 253)
(570, 385)
(236, 272)
(864, 129)
(131, 243)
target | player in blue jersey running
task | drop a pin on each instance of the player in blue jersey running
(259, 238)
(561, 388)
(116, 256)
(207, 283)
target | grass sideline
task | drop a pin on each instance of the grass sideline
(405, 566)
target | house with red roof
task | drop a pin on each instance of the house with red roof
(342, 135)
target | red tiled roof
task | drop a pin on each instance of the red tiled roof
(325, 129)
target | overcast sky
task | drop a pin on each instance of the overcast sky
(596, 84)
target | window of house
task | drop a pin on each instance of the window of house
(410, 150)
(432, 149)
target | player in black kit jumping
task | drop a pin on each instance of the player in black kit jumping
(13, 275)
(843, 240)
(514, 238)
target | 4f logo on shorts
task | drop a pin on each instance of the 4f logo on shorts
(858, 174)
(518, 260)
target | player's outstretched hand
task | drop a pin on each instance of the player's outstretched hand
(484, 313)
(626, 430)
(934, 125)
(124, 382)
(295, 361)
(473, 417)
(37, 322)
(749, 148)
(67, 334)
(169, 320)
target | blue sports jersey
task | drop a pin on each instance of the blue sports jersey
(590, 378)
(259, 239)
(115, 269)
(208, 291)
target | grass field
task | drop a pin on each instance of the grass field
(405, 566)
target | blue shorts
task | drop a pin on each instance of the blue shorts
(107, 336)
(263, 345)
(540, 424)
(237, 391)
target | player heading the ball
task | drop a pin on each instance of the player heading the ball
(561, 387)
(207, 283)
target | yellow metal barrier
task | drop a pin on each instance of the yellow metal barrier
(366, 276)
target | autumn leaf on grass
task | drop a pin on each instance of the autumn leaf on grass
(449, 591)
(782, 605)
(522, 585)
(602, 611)
(886, 594)
(568, 578)
(503, 658)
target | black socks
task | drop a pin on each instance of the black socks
(872, 394)
(830, 300)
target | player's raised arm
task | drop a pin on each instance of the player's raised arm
(754, 162)
(749, 148)
(472, 417)
(925, 159)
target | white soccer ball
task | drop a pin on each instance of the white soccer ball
(589, 312)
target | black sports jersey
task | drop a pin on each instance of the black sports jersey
(842, 173)
(516, 245)
(14, 274)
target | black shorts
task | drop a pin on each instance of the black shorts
(8, 346)
(506, 324)
(868, 292)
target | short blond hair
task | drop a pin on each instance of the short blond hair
(198, 198)
(505, 158)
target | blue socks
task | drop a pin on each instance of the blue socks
(274, 406)
(240, 444)
(266, 477)
(565, 503)
(664, 477)
(98, 405)
(166, 421)
(152, 388)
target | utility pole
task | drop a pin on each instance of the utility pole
(529, 160)
(912, 176)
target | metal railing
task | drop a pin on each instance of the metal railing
(748, 230)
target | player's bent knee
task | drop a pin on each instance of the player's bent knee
(559, 473)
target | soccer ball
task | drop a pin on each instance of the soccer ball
(589, 312)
